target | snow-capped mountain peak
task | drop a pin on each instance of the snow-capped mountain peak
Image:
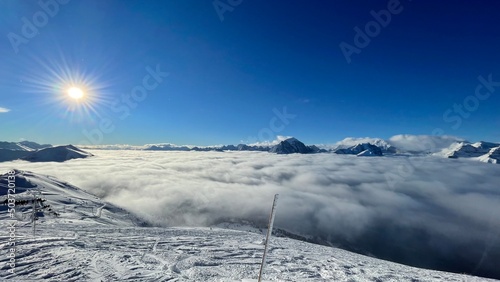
(469, 150)
(291, 146)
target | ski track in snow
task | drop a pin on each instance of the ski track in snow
(100, 253)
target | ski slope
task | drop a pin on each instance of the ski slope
(83, 252)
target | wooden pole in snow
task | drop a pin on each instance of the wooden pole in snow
(268, 236)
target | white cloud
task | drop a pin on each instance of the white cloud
(112, 147)
(403, 142)
(428, 143)
(278, 139)
(4, 110)
(351, 141)
(443, 213)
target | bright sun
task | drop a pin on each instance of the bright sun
(75, 93)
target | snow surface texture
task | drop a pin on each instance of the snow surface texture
(424, 211)
(105, 244)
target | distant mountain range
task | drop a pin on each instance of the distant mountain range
(417, 145)
(287, 146)
(57, 154)
(365, 147)
(23, 146)
(33, 152)
(483, 151)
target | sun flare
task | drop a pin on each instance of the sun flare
(76, 93)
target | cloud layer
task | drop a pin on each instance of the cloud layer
(426, 143)
(4, 110)
(444, 214)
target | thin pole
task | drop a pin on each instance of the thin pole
(268, 236)
(34, 213)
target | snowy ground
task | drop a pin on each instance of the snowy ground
(74, 252)
(91, 240)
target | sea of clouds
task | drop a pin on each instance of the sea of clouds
(424, 211)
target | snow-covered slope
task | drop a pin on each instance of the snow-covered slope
(57, 154)
(493, 156)
(73, 252)
(83, 238)
(59, 202)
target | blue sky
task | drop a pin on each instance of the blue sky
(228, 78)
